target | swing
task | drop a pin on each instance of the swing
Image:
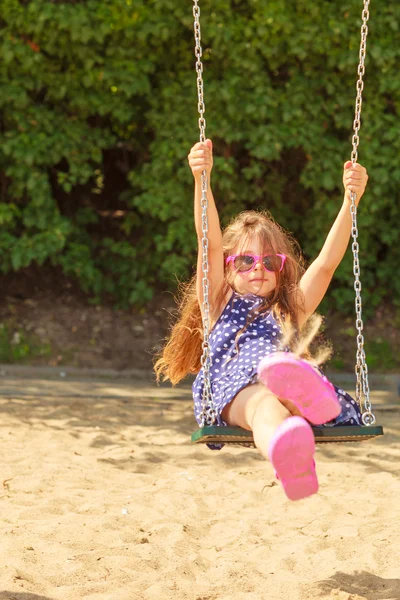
(209, 433)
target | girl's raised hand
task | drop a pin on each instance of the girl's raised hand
(201, 158)
(355, 179)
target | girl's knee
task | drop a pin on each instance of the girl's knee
(270, 410)
(254, 402)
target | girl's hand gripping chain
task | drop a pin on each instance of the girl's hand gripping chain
(201, 157)
(355, 179)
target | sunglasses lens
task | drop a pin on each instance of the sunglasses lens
(272, 262)
(243, 263)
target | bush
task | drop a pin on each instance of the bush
(98, 111)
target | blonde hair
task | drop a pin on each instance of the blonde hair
(182, 351)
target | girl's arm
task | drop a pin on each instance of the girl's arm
(318, 276)
(200, 159)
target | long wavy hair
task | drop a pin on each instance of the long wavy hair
(182, 350)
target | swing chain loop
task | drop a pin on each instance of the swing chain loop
(199, 70)
(361, 368)
(360, 83)
(209, 414)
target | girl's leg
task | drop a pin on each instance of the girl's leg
(288, 376)
(286, 440)
(256, 409)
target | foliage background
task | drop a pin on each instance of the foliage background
(98, 110)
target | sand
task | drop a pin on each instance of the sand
(104, 497)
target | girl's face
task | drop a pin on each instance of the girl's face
(257, 281)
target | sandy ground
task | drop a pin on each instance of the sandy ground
(103, 497)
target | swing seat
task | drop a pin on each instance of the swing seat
(236, 436)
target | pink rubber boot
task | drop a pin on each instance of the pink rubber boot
(291, 453)
(294, 379)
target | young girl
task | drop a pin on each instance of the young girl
(258, 289)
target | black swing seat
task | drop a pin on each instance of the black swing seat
(236, 436)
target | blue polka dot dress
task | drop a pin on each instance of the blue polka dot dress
(234, 361)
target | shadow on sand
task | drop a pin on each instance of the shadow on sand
(361, 583)
(4, 595)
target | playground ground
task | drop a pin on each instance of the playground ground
(102, 496)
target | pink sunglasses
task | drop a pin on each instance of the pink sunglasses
(245, 263)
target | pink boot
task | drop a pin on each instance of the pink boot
(294, 379)
(291, 453)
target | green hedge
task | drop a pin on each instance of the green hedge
(98, 111)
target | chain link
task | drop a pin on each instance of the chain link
(208, 415)
(361, 368)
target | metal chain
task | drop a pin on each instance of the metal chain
(361, 369)
(209, 414)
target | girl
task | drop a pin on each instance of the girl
(259, 289)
